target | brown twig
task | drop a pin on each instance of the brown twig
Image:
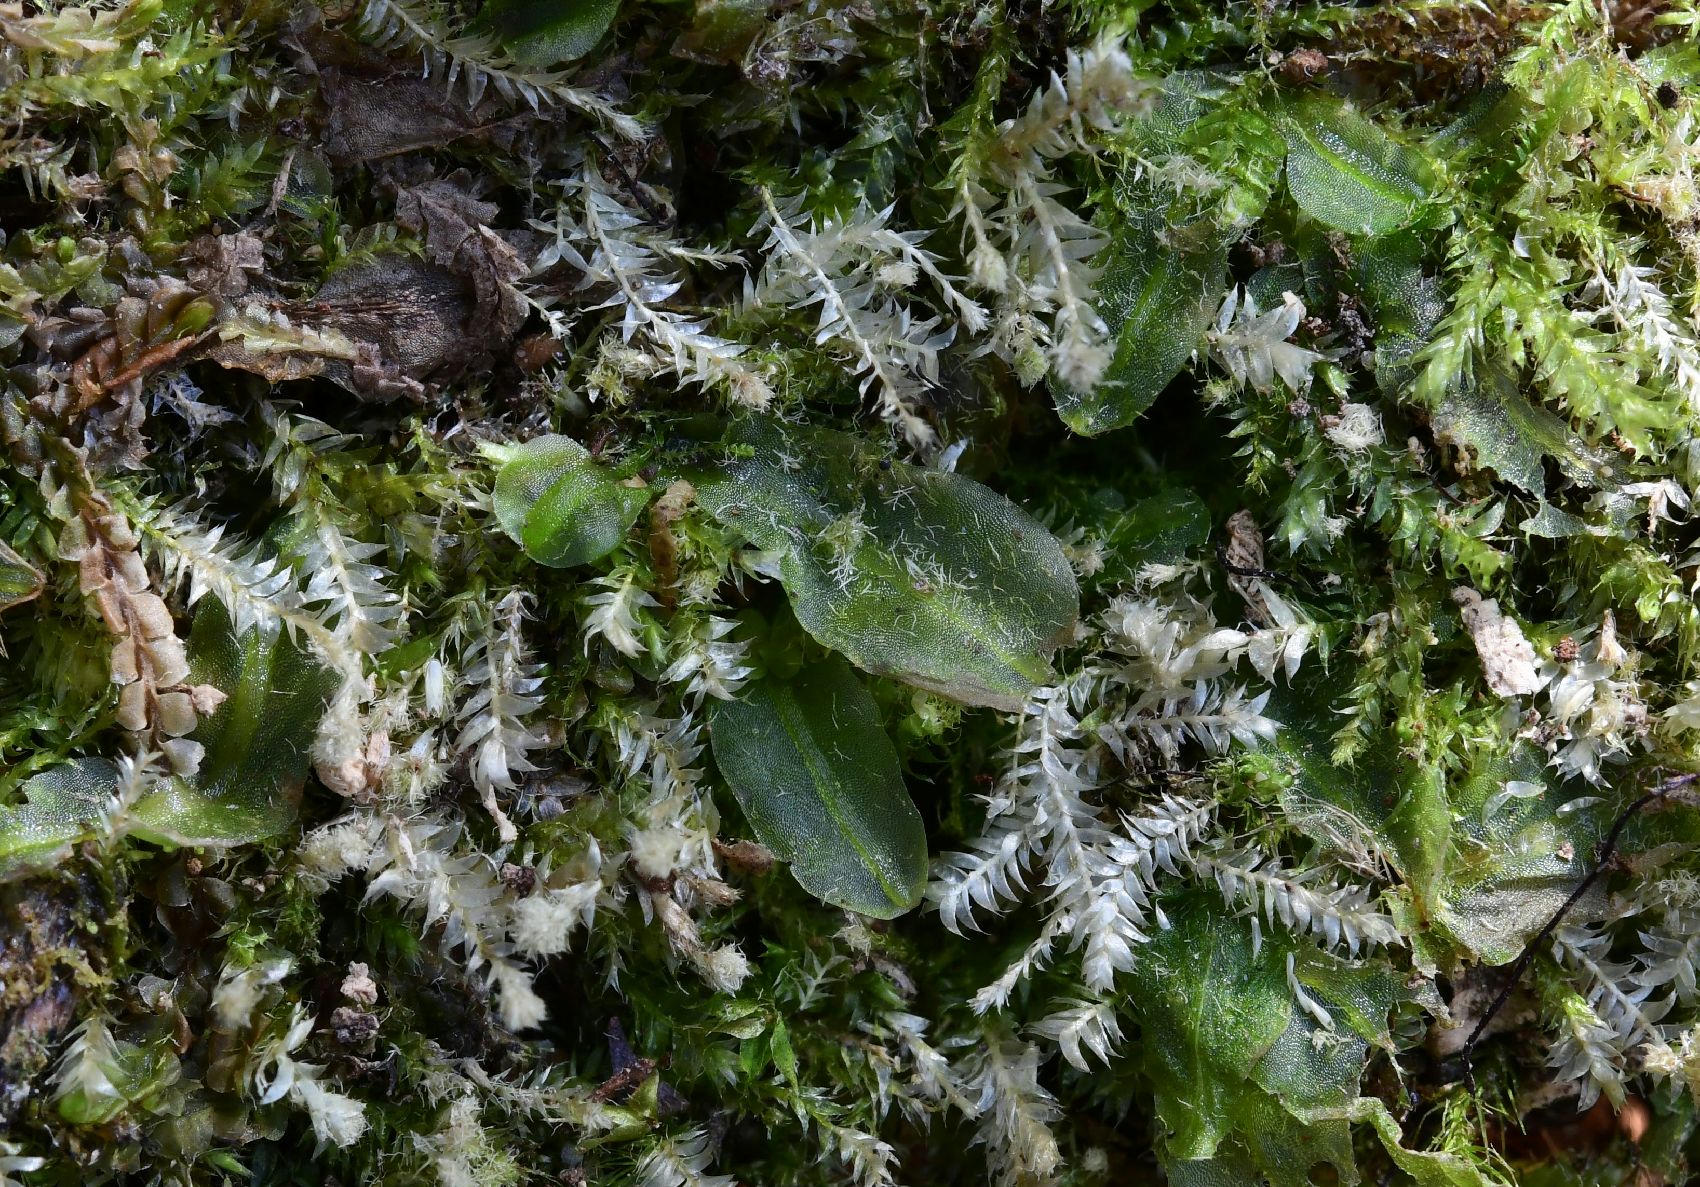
(1602, 857)
(1240, 570)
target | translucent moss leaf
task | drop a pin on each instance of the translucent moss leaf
(128, 1073)
(1407, 306)
(819, 782)
(1209, 1013)
(1185, 97)
(19, 580)
(560, 506)
(1512, 435)
(913, 573)
(1553, 523)
(256, 743)
(1385, 802)
(58, 806)
(1468, 416)
(723, 31)
(1158, 292)
(1347, 173)
(545, 33)
(1230, 1054)
(250, 778)
(1361, 994)
(1426, 1168)
(1519, 857)
(1255, 1051)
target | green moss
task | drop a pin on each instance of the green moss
(1227, 466)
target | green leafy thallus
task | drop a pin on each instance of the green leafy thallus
(920, 575)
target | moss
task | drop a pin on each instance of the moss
(1204, 487)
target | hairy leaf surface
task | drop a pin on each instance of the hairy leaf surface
(909, 572)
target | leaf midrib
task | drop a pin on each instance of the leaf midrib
(821, 777)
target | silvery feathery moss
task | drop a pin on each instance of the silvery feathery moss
(709, 592)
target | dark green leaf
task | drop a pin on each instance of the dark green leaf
(1518, 859)
(1163, 529)
(1402, 806)
(784, 1055)
(545, 33)
(1251, 1086)
(1512, 435)
(250, 778)
(1426, 1168)
(1157, 295)
(1407, 306)
(1229, 1053)
(818, 779)
(722, 30)
(58, 806)
(256, 744)
(132, 1072)
(559, 505)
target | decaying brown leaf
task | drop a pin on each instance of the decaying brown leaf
(369, 117)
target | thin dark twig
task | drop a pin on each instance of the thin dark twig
(1241, 570)
(1602, 857)
(657, 216)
